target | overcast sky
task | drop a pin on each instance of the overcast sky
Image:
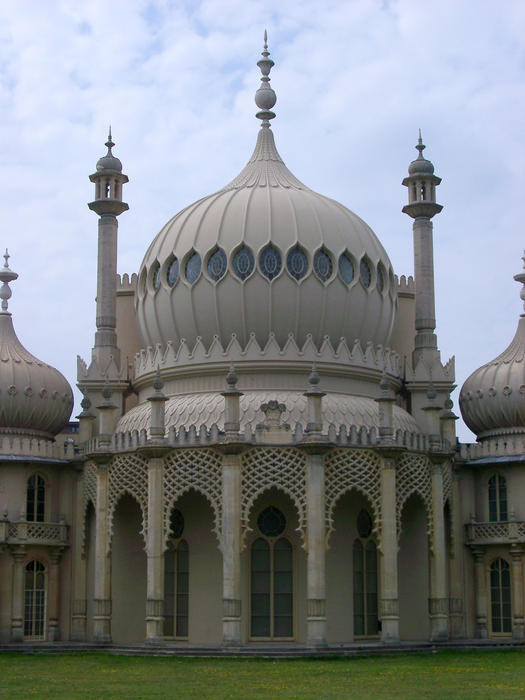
(354, 79)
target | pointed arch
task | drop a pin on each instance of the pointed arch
(128, 474)
(413, 476)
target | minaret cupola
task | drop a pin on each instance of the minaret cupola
(421, 183)
(108, 180)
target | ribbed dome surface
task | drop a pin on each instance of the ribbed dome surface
(492, 400)
(35, 399)
(265, 254)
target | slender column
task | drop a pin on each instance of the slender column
(231, 548)
(516, 553)
(456, 609)
(424, 280)
(155, 554)
(389, 600)
(315, 565)
(481, 593)
(17, 605)
(438, 602)
(102, 599)
(53, 594)
(79, 616)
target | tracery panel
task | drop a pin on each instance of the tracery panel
(128, 474)
(347, 469)
(267, 467)
(414, 475)
(193, 469)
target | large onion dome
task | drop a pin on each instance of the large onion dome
(35, 399)
(492, 400)
(268, 256)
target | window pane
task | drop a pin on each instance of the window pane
(502, 490)
(283, 626)
(260, 589)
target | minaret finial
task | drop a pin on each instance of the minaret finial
(520, 277)
(265, 97)
(420, 145)
(109, 143)
(6, 276)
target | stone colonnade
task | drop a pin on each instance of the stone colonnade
(318, 489)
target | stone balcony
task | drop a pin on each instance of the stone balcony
(34, 533)
(500, 532)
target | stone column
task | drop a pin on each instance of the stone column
(438, 601)
(53, 593)
(231, 547)
(389, 598)
(516, 553)
(315, 564)
(155, 553)
(456, 579)
(481, 592)
(17, 604)
(79, 613)
(102, 599)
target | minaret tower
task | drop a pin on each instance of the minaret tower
(422, 206)
(108, 204)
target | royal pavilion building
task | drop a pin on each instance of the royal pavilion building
(266, 451)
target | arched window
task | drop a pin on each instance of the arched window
(497, 498)
(500, 603)
(176, 580)
(35, 601)
(365, 578)
(271, 578)
(36, 499)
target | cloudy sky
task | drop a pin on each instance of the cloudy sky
(175, 78)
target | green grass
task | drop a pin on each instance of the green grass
(448, 674)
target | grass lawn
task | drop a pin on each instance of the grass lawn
(448, 674)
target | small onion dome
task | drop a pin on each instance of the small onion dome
(35, 399)
(420, 166)
(109, 163)
(492, 400)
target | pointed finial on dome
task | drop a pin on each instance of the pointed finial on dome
(265, 97)
(420, 145)
(314, 377)
(6, 275)
(158, 384)
(520, 277)
(109, 143)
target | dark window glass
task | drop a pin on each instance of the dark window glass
(183, 568)
(497, 498)
(156, 277)
(243, 263)
(270, 262)
(366, 621)
(169, 592)
(297, 263)
(283, 589)
(173, 272)
(193, 268)
(364, 524)
(217, 265)
(36, 499)
(260, 585)
(323, 265)
(271, 522)
(34, 600)
(346, 268)
(380, 279)
(364, 270)
(500, 600)
(176, 523)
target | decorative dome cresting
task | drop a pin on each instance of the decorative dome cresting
(492, 400)
(35, 399)
(288, 264)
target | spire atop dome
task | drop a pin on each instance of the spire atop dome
(420, 145)
(265, 97)
(109, 162)
(6, 275)
(520, 277)
(109, 143)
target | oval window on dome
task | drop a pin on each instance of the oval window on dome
(217, 265)
(193, 268)
(173, 272)
(156, 276)
(364, 271)
(270, 262)
(346, 268)
(243, 263)
(297, 263)
(380, 279)
(323, 265)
